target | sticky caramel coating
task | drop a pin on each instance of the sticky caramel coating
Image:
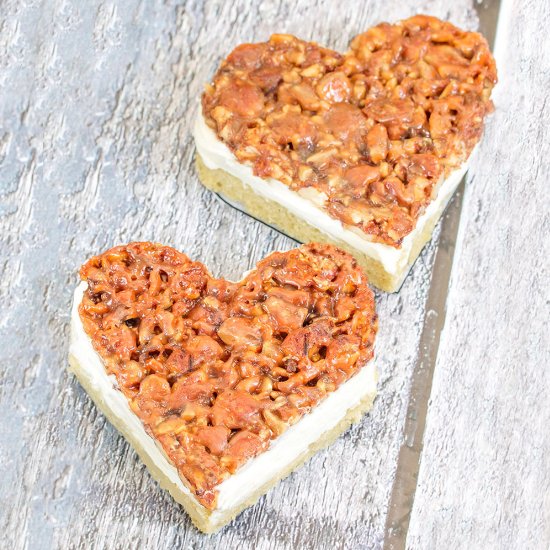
(369, 133)
(215, 369)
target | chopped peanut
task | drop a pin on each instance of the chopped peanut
(216, 370)
(315, 119)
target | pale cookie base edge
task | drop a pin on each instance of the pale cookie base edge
(278, 217)
(201, 517)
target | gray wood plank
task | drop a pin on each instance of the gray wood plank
(485, 474)
(97, 101)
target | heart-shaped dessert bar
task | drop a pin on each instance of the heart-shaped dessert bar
(218, 370)
(367, 136)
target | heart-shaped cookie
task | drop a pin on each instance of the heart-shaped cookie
(368, 134)
(215, 369)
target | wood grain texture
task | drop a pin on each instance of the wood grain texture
(96, 104)
(485, 474)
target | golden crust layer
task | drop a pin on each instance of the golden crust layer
(372, 131)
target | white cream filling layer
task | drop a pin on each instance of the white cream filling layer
(256, 472)
(216, 155)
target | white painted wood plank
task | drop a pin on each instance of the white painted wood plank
(485, 472)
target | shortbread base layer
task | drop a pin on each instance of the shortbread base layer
(201, 517)
(243, 197)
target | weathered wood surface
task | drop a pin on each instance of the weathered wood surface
(96, 105)
(485, 474)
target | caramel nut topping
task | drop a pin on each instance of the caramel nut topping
(214, 369)
(374, 130)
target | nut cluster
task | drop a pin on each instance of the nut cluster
(216, 369)
(369, 133)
